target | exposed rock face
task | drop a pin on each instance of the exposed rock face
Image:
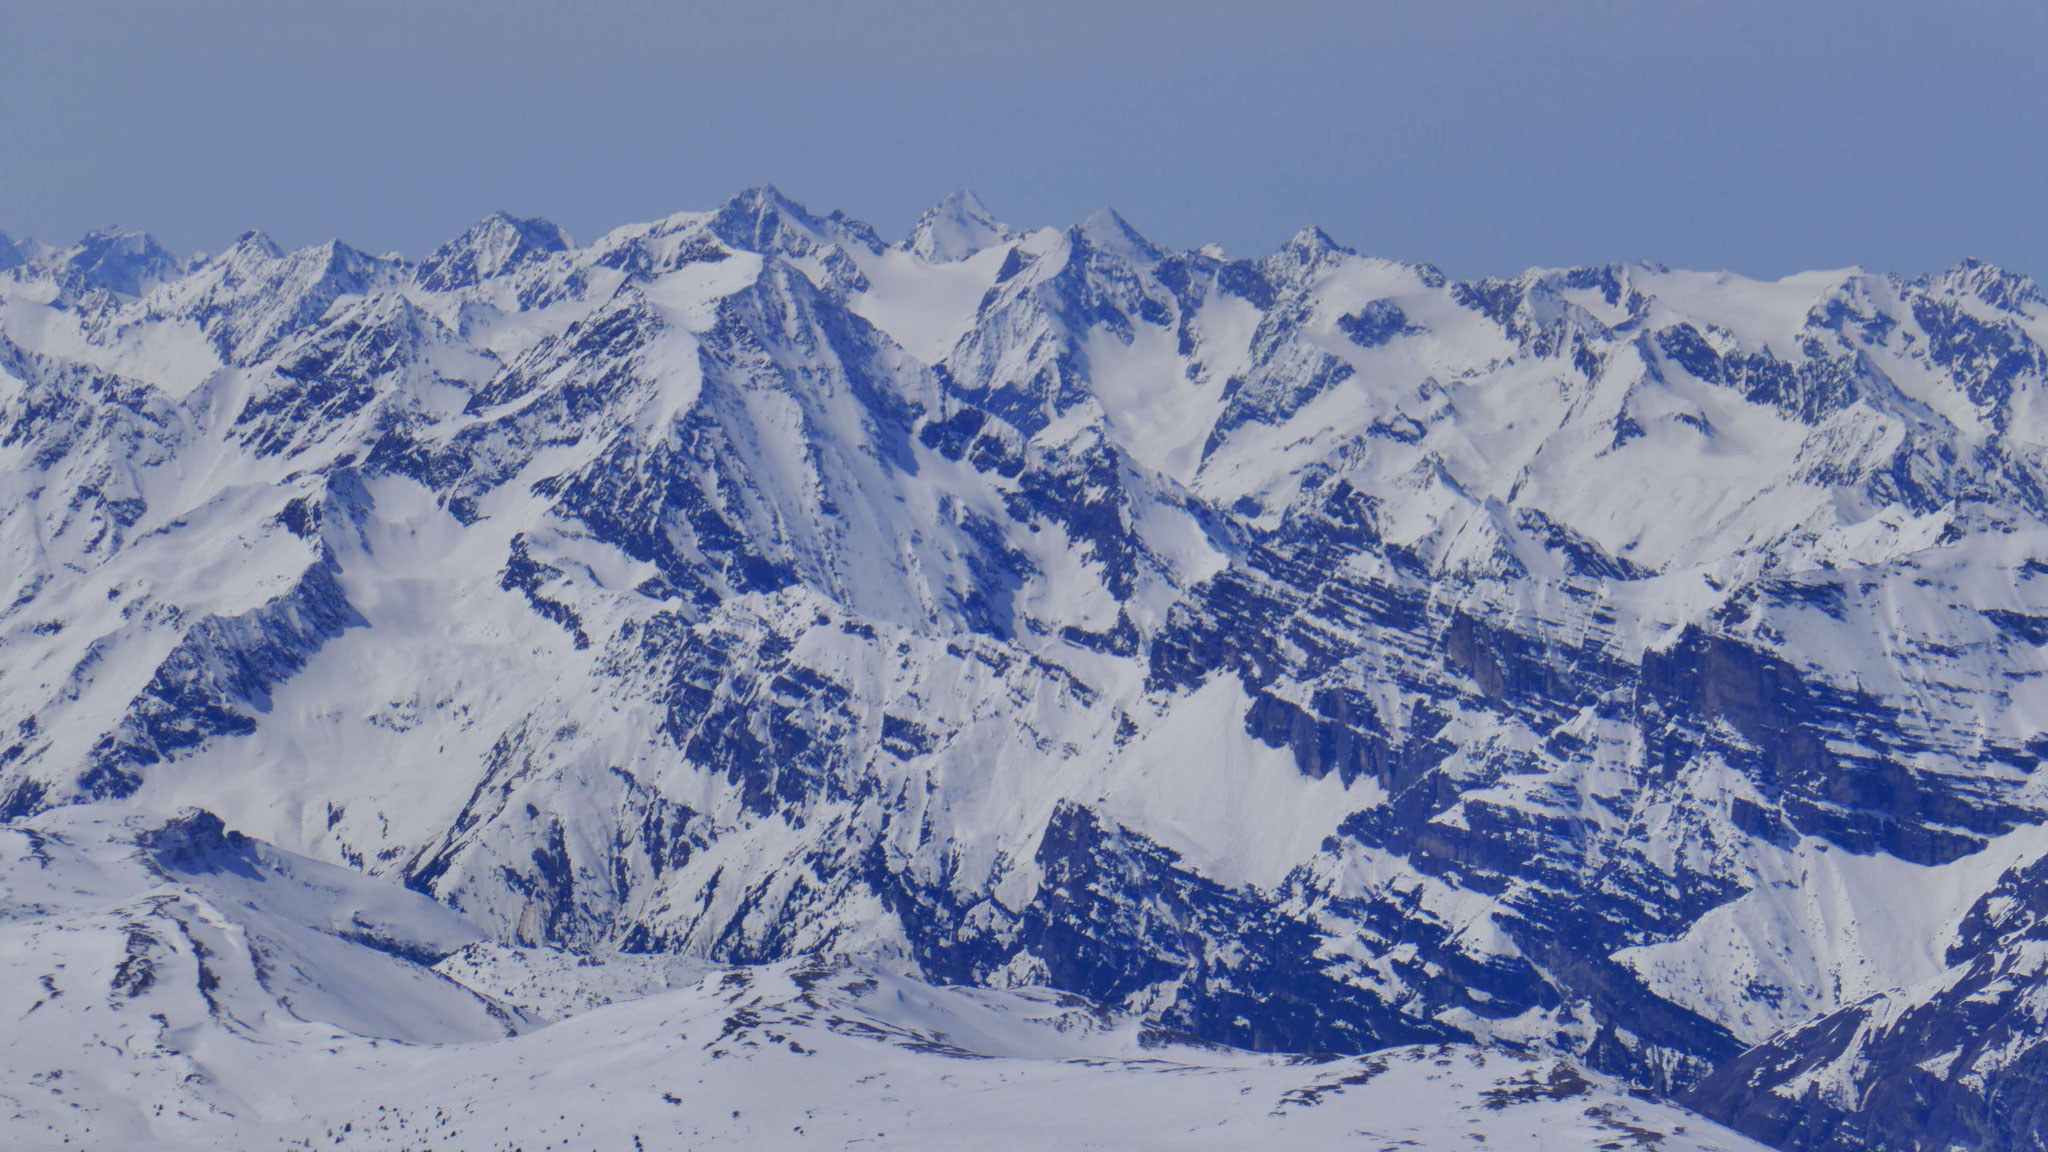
(1307, 654)
(1959, 1060)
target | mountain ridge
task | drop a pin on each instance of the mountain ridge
(1311, 653)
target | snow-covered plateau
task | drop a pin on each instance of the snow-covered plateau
(746, 683)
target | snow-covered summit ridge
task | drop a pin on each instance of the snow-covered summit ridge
(1305, 653)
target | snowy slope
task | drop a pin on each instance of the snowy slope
(160, 1004)
(1622, 665)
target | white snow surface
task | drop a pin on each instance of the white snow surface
(157, 1004)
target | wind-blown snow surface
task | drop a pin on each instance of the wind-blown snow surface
(1624, 666)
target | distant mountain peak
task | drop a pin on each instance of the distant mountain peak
(117, 259)
(956, 228)
(1106, 230)
(1310, 248)
(757, 219)
(255, 242)
(495, 245)
(2008, 291)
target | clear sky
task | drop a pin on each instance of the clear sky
(1759, 135)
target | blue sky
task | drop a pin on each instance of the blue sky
(1486, 137)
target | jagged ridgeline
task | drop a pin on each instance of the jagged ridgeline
(1308, 653)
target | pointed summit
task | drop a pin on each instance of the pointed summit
(1106, 231)
(761, 219)
(497, 244)
(345, 267)
(1310, 248)
(956, 228)
(254, 243)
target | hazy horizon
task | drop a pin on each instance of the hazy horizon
(1480, 137)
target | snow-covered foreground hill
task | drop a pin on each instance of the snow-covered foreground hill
(176, 985)
(1625, 666)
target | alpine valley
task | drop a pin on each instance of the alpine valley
(748, 683)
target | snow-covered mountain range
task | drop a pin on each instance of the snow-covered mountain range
(1619, 678)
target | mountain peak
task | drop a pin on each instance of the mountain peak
(767, 195)
(1310, 248)
(130, 263)
(254, 242)
(2007, 291)
(755, 218)
(956, 228)
(1107, 231)
(495, 245)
